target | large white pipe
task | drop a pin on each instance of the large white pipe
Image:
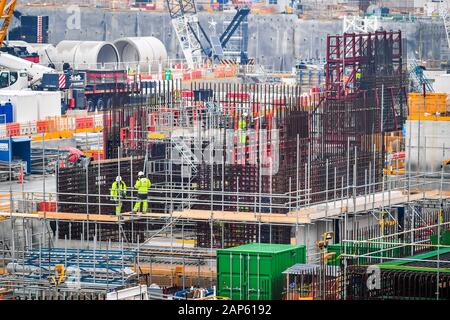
(46, 51)
(88, 54)
(147, 51)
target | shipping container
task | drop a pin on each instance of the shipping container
(255, 271)
(444, 241)
(16, 149)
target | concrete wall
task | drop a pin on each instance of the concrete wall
(276, 40)
(434, 144)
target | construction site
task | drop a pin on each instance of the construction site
(225, 150)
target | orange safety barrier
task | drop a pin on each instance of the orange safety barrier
(13, 129)
(84, 123)
(229, 72)
(219, 73)
(43, 126)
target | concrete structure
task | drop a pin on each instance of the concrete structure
(276, 40)
(428, 148)
(147, 51)
(442, 83)
(87, 54)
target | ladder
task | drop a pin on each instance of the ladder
(186, 155)
(188, 159)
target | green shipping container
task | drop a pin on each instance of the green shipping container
(445, 238)
(255, 271)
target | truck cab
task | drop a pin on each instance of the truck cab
(13, 80)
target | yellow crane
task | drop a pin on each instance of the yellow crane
(6, 10)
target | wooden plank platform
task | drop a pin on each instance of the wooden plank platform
(302, 216)
(227, 216)
(171, 271)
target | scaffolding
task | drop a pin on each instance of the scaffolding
(232, 164)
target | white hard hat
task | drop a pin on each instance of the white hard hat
(119, 178)
(140, 174)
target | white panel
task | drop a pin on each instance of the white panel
(32, 105)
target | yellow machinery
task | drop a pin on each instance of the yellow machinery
(395, 148)
(60, 275)
(7, 10)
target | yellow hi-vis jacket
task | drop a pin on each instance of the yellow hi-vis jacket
(122, 188)
(142, 185)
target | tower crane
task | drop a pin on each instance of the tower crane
(445, 15)
(17, 73)
(7, 10)
(194, 41)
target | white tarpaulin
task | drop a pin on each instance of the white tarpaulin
(32, 105)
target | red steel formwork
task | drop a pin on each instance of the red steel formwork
(352, 57)
(328, 144)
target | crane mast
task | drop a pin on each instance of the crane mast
(445, 15)
(185, 23)
(7, 11)
(194, 41)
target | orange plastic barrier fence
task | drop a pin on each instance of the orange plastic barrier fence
(13, 129)
(84, 123)
(43, 126)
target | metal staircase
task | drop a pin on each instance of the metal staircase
(187, 156)
(188, 159)
(418, 77)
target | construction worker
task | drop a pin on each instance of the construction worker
(242, 126)
(118, 193)
(142, 186)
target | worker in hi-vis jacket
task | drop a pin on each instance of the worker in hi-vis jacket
(118, 193)
(142, 186)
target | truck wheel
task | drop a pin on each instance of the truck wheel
(100, 105)
(90, 106)
(109, 103)
(121, 101)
